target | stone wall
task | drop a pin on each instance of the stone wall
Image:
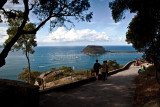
(18, 94)
(122, 69)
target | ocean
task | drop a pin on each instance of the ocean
(45, 58)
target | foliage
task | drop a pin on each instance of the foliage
(113, 65)
(26, 42)
(150, 68)
(94, 50)
(144, 29)
(52, 69)
(66, 69)
(80, 72)
(57, 12)
(68, 72)
(34, 75)
(24, 76)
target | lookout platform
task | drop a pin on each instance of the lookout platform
(117, 91)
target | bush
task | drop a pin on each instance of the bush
(24, 76)
(34, 75)
(66, 69)
(67, 72)
(113, 65)
(80, 72)
(150, 69)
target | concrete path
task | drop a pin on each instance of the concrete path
(117, 91)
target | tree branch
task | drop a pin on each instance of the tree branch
(8, 47)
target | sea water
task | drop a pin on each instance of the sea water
(45, 58)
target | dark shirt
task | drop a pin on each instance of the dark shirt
(97, 66)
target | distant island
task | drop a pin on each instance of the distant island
(99, 50)
(94, 50)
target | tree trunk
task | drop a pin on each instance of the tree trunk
(3, 2)
(8, 47)
(29, 68)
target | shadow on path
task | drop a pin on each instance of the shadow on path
(117, 91)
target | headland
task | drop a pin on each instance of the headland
(99, 50)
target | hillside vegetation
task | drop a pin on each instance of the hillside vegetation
(94, 50)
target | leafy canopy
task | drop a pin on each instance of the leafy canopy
(144, 29)
(57, 12)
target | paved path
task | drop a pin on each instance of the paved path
(117, 91)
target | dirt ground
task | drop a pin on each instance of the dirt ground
(147, 92)
(117, 91)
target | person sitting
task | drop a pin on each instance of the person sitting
(143, 69)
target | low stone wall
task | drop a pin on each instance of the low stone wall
(122, 69)
(18, 94)
(68, 86)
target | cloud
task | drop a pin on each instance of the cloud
(85, 35)
(3, 34)
(122, 39)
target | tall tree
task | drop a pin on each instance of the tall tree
(26, 42)
(56, 11)
(144, 29)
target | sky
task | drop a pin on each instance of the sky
(102, 30)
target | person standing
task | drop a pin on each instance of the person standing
(96, 67)
(104, 70)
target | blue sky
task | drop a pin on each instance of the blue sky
(102, 30)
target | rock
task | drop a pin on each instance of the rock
(94, 50)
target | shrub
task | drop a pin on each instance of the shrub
(113, 65)
(80, 72)
(150, 69)
(66, 69)
(24, 76)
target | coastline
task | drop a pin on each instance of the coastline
(111, 52)
(45, 58)
(123, 52)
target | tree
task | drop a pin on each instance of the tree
(56, 11)
(26, 42)
(144, 29)
(24, 75)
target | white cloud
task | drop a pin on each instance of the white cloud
(85, 35)
(122, 39)
(3, 34)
